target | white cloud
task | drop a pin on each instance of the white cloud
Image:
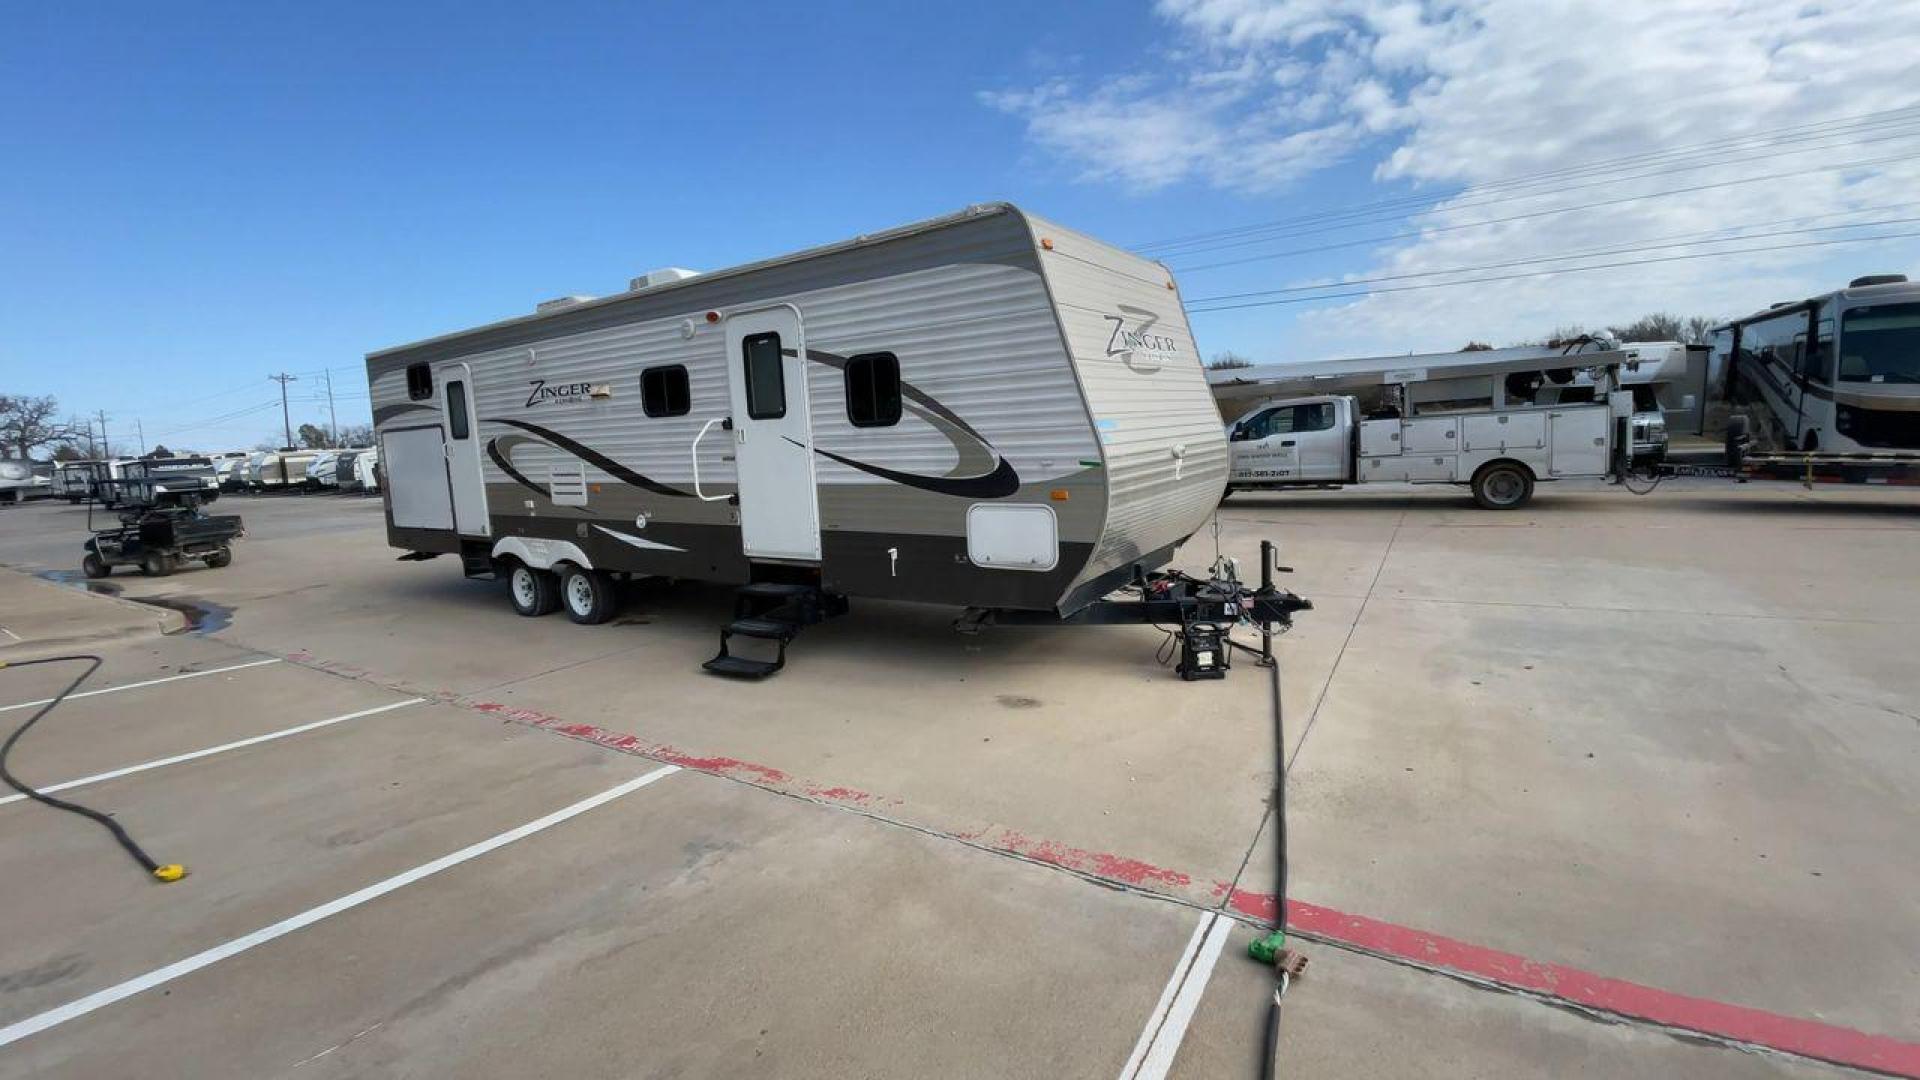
(1453, 95)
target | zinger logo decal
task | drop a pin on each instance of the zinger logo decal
(1139, 347)
(542, 392)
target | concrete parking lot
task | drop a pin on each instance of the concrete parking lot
(1610, 786)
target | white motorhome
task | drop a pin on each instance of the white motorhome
(985, 409)
(279, 469)
(1496, 429)
(320, 470)
(1837, 373)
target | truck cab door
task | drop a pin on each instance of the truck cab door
(1263, 447)
(1320, 441)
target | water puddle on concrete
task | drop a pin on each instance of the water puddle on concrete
(203, 617)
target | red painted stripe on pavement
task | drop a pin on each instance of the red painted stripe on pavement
(1719, 1019)
(1738, 1023)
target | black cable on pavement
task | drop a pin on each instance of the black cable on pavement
(169, 872)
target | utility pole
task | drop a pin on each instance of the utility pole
(141, 434)
(106, 450)
(285, 422)
(333, 422)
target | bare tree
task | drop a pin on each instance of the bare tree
(356, 435)
(1699, 329)
(313, 437)
(27, 423)
(1659, 326)
(1224, 360)
(1476, 346)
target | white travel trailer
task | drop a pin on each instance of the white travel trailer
(1498, 426)
(320, 470)
(366, 470)
(279, 469)
(984, 409)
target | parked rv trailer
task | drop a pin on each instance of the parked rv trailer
(320, 469)
(345, 470)
(984, 409)
(18, 481)
(73, 480)
(279, 470)
(1480, 427)
(168, 480)
(366, 470)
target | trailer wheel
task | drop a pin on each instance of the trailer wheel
(1502, 485)
(534, 592)
(94, 566)
(219, 558)
(587, 595)
(157, 564)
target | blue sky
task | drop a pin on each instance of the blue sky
(196, 196)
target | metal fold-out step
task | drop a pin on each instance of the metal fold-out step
(741, 667)
(773, 612)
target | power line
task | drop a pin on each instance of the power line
(1550, 273)
(1280, 234)
(1865, 120)
(1547, 212)
(1682, 240)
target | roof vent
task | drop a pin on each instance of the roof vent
(653, 279)
(559, 303)
(1877, 279)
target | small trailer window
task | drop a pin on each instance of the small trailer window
(664, 392)
(457, 425)
(766, 376)
(419, 382)
(873, 389)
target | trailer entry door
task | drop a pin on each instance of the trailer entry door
(773, 435)
(463, 451)
(416, 468)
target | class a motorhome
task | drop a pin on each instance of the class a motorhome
(985, 409)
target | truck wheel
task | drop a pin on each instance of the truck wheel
(157, 564)
(94, 566)
(534, 592)
(1502, 486)
(220, 558)
(587, 595)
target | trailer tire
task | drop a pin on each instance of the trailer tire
(533, 592)
(157, 564)
(1502, 485)
(94, 566)
(587, 595)
(220, 558)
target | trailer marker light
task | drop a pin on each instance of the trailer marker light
(713, 316)
(1046, 243)
(1059, 494)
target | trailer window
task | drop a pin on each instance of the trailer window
(766, 376)
(873, 389)
(663, 391)
(419, 382)
(457, 410)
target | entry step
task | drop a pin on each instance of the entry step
(772, 629)
(741, 667)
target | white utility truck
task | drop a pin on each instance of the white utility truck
(1498, 427)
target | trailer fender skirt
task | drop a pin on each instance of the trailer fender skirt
(541, 554)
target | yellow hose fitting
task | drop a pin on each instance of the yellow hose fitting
(170, 872)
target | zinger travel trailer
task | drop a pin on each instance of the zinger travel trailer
(984, 410)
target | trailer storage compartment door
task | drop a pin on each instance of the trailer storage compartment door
(1578, 441)
(418, 492)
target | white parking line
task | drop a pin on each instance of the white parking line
(211, 750)
(1167, 1025)
(13, 1033)
(149, 682)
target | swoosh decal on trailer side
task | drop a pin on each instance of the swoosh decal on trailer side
(594, 457)
(639, 542)
(504, 460)
(998, 484)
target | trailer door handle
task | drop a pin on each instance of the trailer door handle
(704, 428)
(1286, 442)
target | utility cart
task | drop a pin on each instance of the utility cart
(161, 521)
